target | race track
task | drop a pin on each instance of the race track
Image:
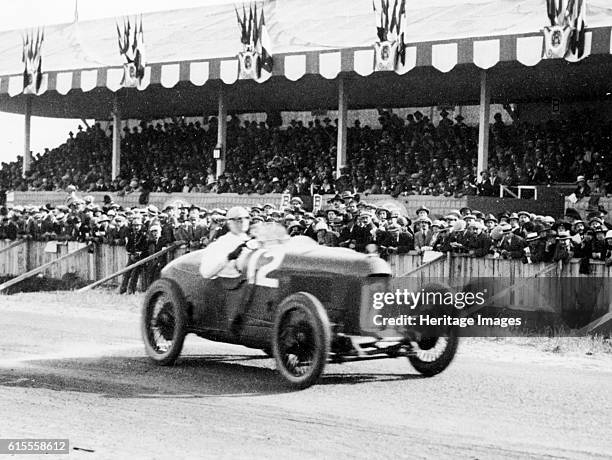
(74, 367)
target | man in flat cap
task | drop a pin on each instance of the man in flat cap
(393, 240)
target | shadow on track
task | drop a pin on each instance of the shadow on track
(193, 376)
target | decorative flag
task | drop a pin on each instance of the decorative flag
(565, 37)
(256, 54)
(132, 48)
(32, 59)
(390, 49)
(265, 46)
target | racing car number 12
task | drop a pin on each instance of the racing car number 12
(258, 274)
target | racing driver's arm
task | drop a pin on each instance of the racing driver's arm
(219, 257)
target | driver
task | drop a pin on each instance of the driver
(219, 257)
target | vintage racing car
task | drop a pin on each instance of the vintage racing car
(302, 303)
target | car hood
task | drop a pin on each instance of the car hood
(302, 254)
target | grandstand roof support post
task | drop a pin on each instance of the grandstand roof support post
(221, 130)
(483, 122)
(27, 153)
(116, 166)
(342, 120)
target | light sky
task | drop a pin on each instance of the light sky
(51, 132)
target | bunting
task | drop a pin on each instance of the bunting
(565, 37)
(131, 46)
(390, 49)
(32, 59)
(256, 55)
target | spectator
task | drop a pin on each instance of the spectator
(582, 189)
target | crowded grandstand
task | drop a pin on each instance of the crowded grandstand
(398, 157)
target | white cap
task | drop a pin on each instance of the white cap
(237, 212)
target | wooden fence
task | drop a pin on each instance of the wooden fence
(107, 259)
(32, 254)
(490, 273)
(103, 261)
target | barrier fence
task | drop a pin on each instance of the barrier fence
(103, 260)
(106, 260)
(554, 288)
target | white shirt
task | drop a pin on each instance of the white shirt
(214, 257)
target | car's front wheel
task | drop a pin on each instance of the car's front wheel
(431, 355)
(163, 322)
(301, 339)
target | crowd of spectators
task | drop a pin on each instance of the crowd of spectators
(401, 157)
(346, 221)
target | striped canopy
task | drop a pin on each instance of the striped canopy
(191, 53)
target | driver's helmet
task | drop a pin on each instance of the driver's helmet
(237, 212)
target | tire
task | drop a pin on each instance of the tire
(164, 304)
(301, 339)
(434, 354)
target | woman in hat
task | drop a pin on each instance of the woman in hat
(599, 247)
(324, 236)
(422, 212)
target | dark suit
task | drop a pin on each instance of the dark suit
(442, 242)
(541, 251)
(489, 187)
(11, 229)
(154, 267)
(480, 244)
(422, 239)
(136, 246)
(514, 246)
(398, 243)
(346, 234)
(363, 236)
(310, 232)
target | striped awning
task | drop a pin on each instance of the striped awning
(444, 56)
(309, 37)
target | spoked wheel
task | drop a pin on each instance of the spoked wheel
(431, 355)
(163, 322)
(301, 339)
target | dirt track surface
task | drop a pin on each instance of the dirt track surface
(73, 367)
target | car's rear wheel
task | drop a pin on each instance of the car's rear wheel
(163, 323)
(431, 355)
(301, 339)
